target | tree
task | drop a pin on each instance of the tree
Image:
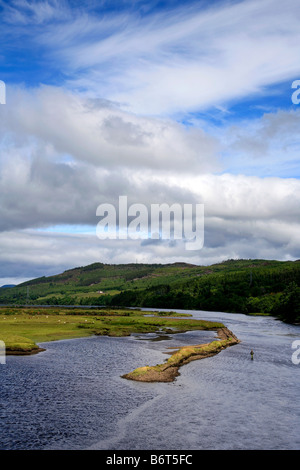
(288, 305)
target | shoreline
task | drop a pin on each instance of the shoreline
(22, 331)
(170, 370)
(22, 352)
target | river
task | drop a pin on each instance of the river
(72, 396)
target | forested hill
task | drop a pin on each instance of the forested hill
(244, 286)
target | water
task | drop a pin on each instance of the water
(72, 396)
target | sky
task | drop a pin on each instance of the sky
(164, 102)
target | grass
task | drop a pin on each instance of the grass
(169, 370)
(22, 329)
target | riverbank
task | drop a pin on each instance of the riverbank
(170, 370)
(21, 329)
(214, 403)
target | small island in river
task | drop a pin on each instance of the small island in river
(168, 371)
(21, 328)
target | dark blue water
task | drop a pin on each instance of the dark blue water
(72, 396)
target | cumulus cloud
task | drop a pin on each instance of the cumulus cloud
(271, 141)
(103, 135)
(113, 127)
(62, 155)
(30, 253)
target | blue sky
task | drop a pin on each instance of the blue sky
(43, 42)
(163, 101)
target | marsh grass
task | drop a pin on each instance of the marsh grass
(22, 328)
(169, 370)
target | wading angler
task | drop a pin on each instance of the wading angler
(163, 222)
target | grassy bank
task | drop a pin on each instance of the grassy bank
(168, 371)
(22, 329)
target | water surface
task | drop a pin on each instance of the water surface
(72, 395)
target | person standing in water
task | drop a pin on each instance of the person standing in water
(251, 354)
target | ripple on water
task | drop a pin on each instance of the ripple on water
(72, 396)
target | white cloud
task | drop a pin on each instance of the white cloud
(186, 60)
(32, 253)
(103, 135)
(64, 152)
(264, 146)
(24, 12)
(62, 155)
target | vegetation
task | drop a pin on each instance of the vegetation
(269, 288)
(168, 371)
(22, 328)
(240, 286)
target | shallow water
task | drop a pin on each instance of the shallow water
(72, 395)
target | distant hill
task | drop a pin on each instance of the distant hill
(246, 286)
(7, 285)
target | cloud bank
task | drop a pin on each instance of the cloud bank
(132, 111)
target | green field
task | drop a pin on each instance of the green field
(267, 287)
(22, 329)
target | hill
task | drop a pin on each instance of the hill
(244, 286)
